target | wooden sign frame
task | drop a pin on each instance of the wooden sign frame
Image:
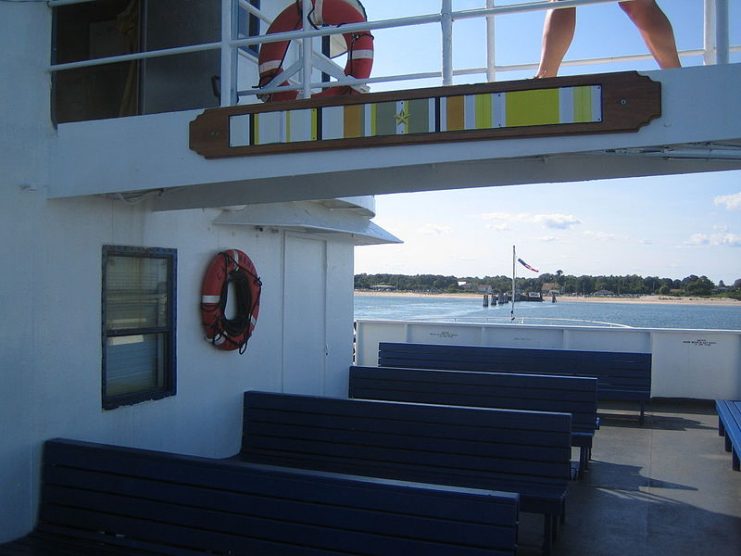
(586, 104)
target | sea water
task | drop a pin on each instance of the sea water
(577, 313)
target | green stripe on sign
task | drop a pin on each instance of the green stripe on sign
(528, 108)
(385, 118)
(419, 116)
(583, 104)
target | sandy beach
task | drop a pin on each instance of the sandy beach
(643, 299)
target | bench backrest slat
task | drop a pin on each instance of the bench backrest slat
(152, 500)
(472, 447)
(575, 395)
(620, 375)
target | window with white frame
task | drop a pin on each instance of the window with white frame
(138, 332)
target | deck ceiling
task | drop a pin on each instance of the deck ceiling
(698, 131)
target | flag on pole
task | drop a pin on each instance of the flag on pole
(523, 263)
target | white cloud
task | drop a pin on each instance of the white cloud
(547, 238)
(434, 230)
(731, 202)
(730, 240)
(600, 236)
(716, 240)
(552, 220)
(559, 221)
(500, 227)
(699, 239)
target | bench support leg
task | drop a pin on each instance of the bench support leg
(563, 512)
(584, 457)
(548, 534)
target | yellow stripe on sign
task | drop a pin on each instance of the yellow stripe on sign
(483, 111)
(528, 108)
(354, 124)
(455, 116)
(583, 104)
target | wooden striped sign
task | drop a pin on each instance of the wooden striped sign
(561, 106)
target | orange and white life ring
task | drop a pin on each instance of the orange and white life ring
(231, 267)
(359, 44)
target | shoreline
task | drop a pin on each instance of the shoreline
(638, 300)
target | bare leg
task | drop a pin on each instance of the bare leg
(655, 29)
(558, 32)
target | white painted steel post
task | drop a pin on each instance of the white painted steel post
(709, 54)
(228, 55)
(491, 62)
(446, 21)
(306, 51)
(721, 31)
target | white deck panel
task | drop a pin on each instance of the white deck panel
(151, 152)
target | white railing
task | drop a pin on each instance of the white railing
(716, 48)
(702, 364)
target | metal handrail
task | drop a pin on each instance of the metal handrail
(716, 48)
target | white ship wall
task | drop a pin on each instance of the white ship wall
(51, 333)
(50, 294)
(699, 364)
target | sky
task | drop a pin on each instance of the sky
(666, 226)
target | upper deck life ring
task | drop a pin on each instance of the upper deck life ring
(230, 267)
(359, 45)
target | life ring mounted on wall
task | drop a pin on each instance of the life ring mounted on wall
(358, 44)
(230, 267)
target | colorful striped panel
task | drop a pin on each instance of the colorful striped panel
(565, 105)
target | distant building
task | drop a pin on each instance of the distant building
(604, 293)
(383, 288)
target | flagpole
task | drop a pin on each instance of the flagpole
(512, 312)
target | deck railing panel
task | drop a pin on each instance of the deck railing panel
(716, 48)
(699, 364)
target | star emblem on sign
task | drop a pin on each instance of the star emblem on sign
(402, 118)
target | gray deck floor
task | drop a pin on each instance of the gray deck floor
(664, 488)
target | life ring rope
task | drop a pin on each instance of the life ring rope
(230, 267)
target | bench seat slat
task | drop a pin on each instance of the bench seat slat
(385, 416)
(445, 445)
(576, 395)
(729, 425)
(621, 376)
(106, 500)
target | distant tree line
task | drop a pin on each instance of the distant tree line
(565, 283)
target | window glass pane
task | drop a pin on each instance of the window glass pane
(136, 292)
(105, 28)
(135, 363)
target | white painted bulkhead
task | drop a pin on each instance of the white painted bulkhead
(50, 294)
(51, 332)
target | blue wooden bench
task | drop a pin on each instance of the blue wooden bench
(101, 500)
(564, 394)
(527, 453)
(729, 425)
(621, 376)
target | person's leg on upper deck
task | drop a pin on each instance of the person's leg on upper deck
(558, 32)
(646, 15)
(655, 29)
